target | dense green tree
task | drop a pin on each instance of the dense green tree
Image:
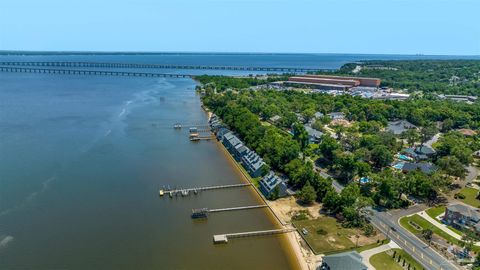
(346, 164)
(381, 156)
(307, 194)
(322, 186)
(452, 166)
(427, 132)
(411, 135)
(300, 135)
(327, 147)
(331, 201)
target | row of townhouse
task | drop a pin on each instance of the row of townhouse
(251, 161)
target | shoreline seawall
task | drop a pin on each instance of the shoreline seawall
(289, 241)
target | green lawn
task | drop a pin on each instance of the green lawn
(326, 236)
(470, 196)
(332, 238)
(384, 261)
(425, 225)
(374, 245)
(435, 211)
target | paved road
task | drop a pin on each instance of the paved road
(387, 223)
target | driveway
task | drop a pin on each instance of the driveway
(369, 253)
(439, 225)
(472, 173)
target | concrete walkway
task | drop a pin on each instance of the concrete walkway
(370, 252)
(442, 226)
(439, 225)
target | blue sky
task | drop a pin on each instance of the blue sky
(293, 26)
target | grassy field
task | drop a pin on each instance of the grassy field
(435, 211)
(385, 261)
(470, 196)
(326, 235)
(374, 245)
(425, 225)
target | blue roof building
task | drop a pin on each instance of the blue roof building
(239, 151)
(270, 183)
(400, 126)
(351, 260)
(314, 135)
(221, 132)
(253, 163)
(336, 115)
(425, 167)
(230, 141)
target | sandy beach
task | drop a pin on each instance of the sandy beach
(283, 209)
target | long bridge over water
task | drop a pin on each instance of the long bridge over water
(88, 72)
(77, 64)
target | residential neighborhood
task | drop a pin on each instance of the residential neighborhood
(362, 159)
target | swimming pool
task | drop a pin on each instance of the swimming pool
(404, 157)
(398, 165)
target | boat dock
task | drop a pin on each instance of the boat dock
(202, 212)
(223, 238)
(236, 208)
(195, 190)
(198, 138)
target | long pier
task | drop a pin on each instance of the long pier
(236, 208)
(89, 72)
(211, 187)
(202, 212)
(223, 238)
(186, 191)
(155, 66)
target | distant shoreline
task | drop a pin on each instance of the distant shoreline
(420, 56)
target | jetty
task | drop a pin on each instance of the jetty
(223, 238)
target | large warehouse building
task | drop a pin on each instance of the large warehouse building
(333, 82)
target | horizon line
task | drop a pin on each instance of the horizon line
(80, 52)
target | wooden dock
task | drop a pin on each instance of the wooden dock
(202, 212)
(236, 208)
(186, 191)
(223, 238)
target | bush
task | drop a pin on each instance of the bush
(321, 232)
(459, 196)
(368, 230)
(302, 215)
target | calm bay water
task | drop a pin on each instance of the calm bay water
(82, 159)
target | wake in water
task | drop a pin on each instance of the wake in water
(30, 197)
(5, 240)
